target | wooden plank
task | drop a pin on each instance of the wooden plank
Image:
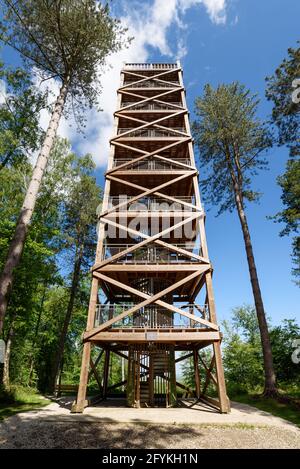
(179, 359)
(120, 354)
(208, 371)
(94, 371)
(162, 337)
(221, 386)
(154, 267)
(210, 401)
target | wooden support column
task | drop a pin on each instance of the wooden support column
(151, 381)
(137, 380)
(172, 372)
(106, 372)
(130, 388)
(81, 401)
(223, 399)
(197, 374)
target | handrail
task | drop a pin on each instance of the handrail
(152, 164)
(150, 106)
(149, 66)
(151, 84)
(151, 254)
(151, 204)
(151, 316)
(151, 132)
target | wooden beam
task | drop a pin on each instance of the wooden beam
(149, 300)
(106, 372)
(152, 299)
(197, 375)
(179, 359)
(161, 337)
(148, 239)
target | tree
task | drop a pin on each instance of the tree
(283, 88)
(290, 186)
(38, 258)
(66, 40)
(231, 141)
(243, 360)
(20, 105)
(79, 227)
(282, 338)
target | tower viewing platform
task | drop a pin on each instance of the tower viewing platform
(152, 301)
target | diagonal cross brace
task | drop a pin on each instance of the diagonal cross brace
(153, 77)
(154, 190)
(148, 300)
(148, 239)
(145, 154)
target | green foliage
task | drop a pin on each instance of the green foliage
(282, 346)
(65, 39)
(231, 141)
(20, 105)
(20, 399)
(242, 353)
(285, 112)
(188, 372)
(282, 407)
(290, 185)
(290, 215)
(286, 116)
(65, 216)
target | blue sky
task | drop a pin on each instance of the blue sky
(216, 41)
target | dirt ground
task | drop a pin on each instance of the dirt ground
(114, 426)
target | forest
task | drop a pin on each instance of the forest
(49, 201)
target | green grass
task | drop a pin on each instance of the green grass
(20, 399)
(279, 407)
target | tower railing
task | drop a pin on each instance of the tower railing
(152, 165)
(151, 84)
(152, 316)
(151, 254)
(150, 106)
(151, 204)
(149, 66)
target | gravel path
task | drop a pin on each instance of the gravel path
(54, 427)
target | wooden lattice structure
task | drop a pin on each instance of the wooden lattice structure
(152, 261)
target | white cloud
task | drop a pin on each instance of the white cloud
(216, 9)
(149, 25)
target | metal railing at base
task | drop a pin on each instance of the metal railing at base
(151, 254)
(152, 165)
(152, 316)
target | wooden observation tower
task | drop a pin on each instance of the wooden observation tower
(152, 262)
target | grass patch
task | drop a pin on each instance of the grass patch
(20, 399)
(284, 408)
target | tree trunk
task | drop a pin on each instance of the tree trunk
(270, 388)
(6, 365)
(17, 243)
(37, 326)
(63, 334)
